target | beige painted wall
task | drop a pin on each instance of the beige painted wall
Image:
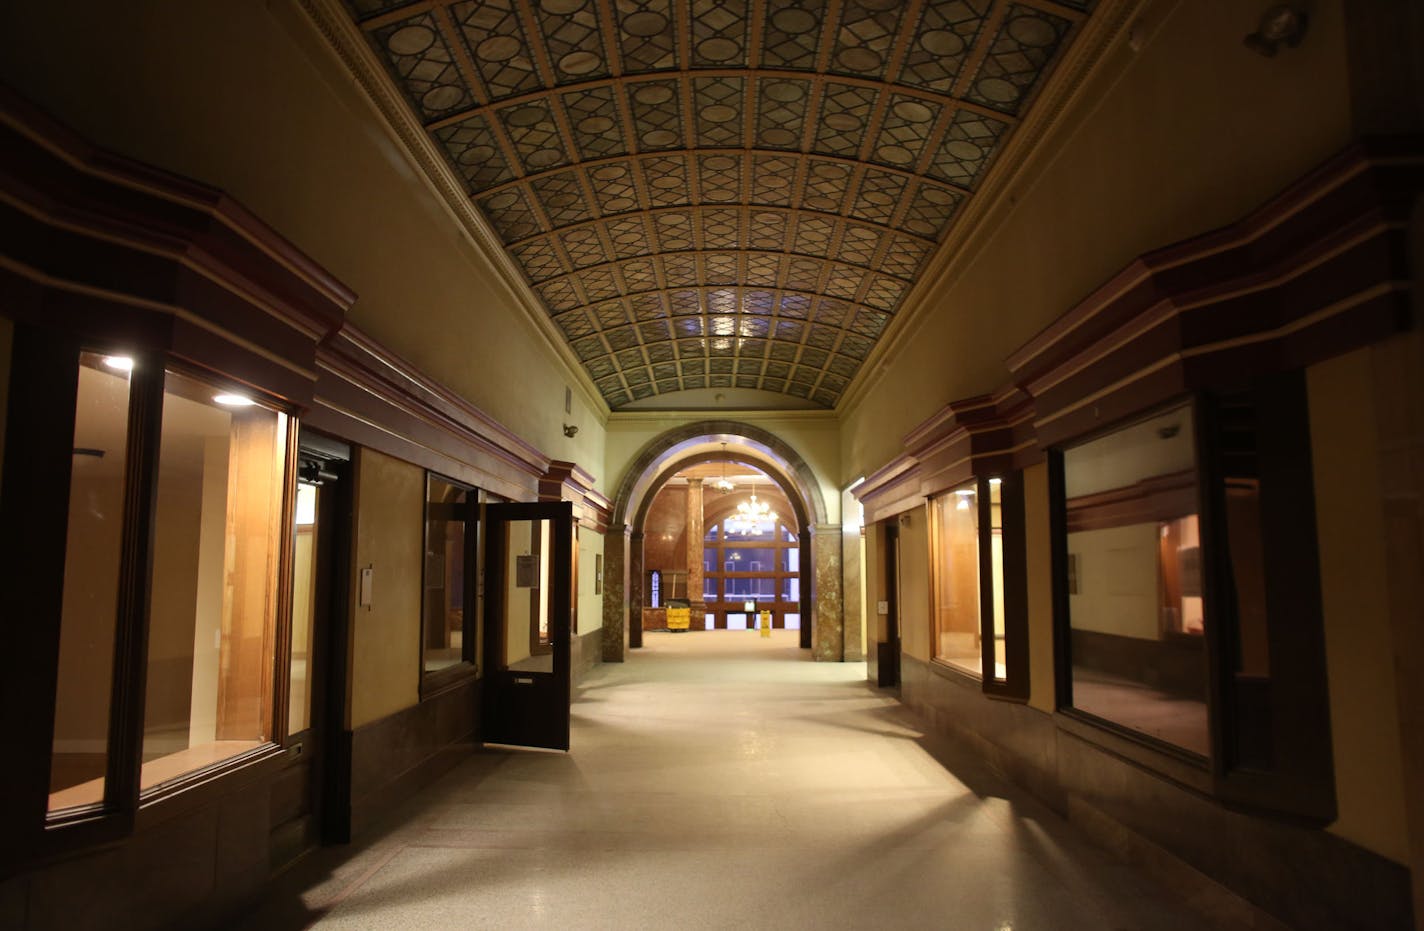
(1038, 544)
(1369, 775)
(246, 97)
(590, 606)
(815, 436)
(168, 703)
(385, 647)
(212, 577)
(1188, 134)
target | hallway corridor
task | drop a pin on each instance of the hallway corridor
(720, 780)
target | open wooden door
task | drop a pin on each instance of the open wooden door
(529, 603)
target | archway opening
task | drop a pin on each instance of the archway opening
(737, 562)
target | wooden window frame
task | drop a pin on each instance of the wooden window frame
(779, 609)
(1015, 684)
(436, 681)
(1291, 712)
(34, 504)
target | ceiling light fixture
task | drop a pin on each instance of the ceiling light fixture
(753, 517)
(233, 400)
(724, 484)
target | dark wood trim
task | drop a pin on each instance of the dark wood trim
(891, 490)
(81, 182)
(976, 437)
(33, 529)
(1319, 270)
(124, 252)
(370, 396)
(407, 750)
(330, 650)
(566, 481)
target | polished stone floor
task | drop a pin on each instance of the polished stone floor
(721, 780)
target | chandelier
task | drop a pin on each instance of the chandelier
(724, 484)
(753, 518)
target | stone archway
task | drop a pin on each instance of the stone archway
(676, 448)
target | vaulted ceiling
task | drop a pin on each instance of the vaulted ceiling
(720, 193)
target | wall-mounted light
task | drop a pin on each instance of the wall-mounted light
(1283, 24)
(570, 430)
(119, 363)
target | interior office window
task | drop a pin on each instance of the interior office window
(447, 573)
(91, 582)
(212, 621)
(304, 553)
(1137, 649)
(956, 579)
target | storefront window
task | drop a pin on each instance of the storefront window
(1134, 580)
(211, 636)
(91, 582)
(956, 579)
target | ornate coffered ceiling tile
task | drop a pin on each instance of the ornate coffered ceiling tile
(719, 192)
(1027, 40)
(498, 47)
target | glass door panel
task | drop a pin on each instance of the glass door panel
(529, 617)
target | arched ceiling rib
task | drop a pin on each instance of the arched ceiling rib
(720, 193)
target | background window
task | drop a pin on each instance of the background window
(447, 558)
(91, 582)
(304, 564)
(211, 637)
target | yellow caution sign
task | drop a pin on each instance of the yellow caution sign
(764, 619)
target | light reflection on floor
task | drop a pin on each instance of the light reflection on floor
(720, 780)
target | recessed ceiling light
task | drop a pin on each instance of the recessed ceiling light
(233, 400)
(119, 363)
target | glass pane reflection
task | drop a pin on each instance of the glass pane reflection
(1134, 580)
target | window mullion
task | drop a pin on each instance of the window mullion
(135, 587)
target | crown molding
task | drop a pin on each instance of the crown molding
(345, 40)
(1085, 64)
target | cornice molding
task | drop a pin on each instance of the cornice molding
(663, 417)
(345, 40)
(1085, 63)
(566, 481)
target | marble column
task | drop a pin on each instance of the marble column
(807, 577)
(636, 598)
(827, 642)
(853, 625)
(615, 594)
(695, 534)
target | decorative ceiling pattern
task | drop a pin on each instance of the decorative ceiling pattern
(720, 193)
